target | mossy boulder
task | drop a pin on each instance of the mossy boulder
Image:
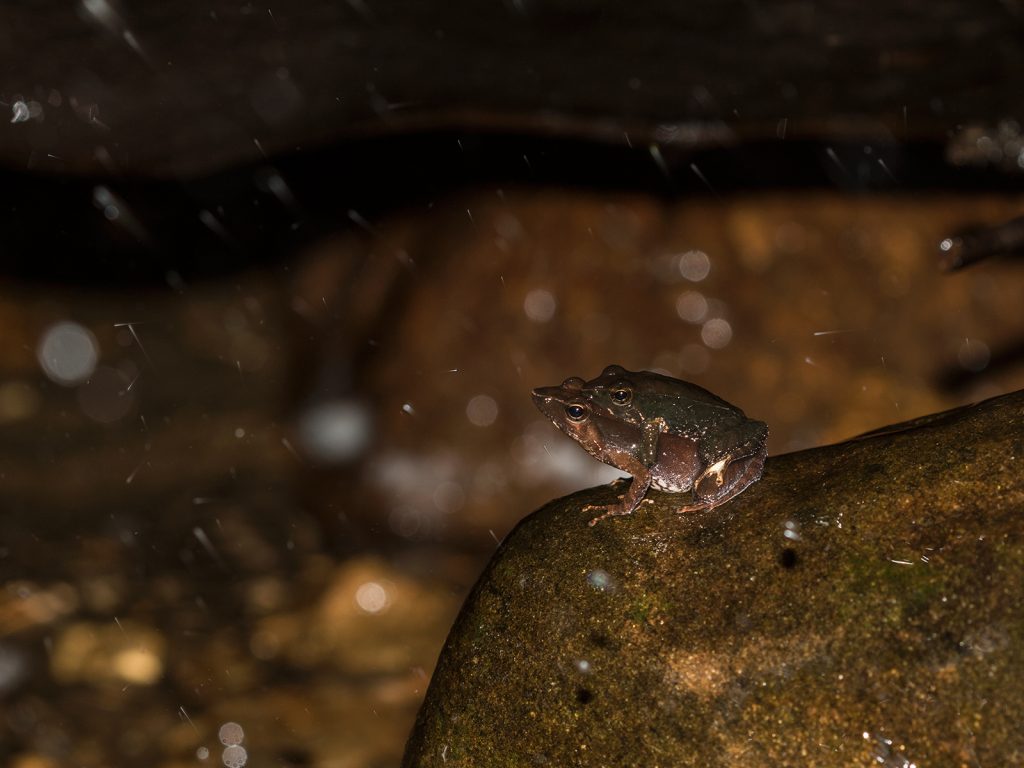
(862, 604)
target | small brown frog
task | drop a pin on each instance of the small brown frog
(666, 433)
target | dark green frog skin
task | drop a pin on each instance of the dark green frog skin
(678, 437)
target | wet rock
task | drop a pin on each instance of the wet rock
(862, 604)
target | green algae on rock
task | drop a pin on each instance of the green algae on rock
(862, 605)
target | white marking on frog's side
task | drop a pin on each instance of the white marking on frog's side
(717, 467)
(665, 485)
(716, 470)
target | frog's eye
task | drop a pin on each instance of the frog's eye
(621, 396)
(575, 412)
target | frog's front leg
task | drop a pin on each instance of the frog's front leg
(631, 498)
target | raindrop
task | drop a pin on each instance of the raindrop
(539, 305)
(105, 200)
(230, 734)
(235, 757)
(202, 753)
(716, 333)
(210, 222)
(659, 160)
(599, 580)
(694, 265)
(335, 431)
(19, 112)
(789, 530)
(278, 187)
(692, 307)
(372, 597)
(68, 353)
(887, 753)
(102, 11)
(482, 410)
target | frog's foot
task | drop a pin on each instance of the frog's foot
(629, 501)
(695, 507)
(609, 510)
(700, 506)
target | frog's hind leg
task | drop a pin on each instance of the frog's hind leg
(725, 480)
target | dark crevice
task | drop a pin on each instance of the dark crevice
(131, 231)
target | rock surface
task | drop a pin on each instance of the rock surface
(863, 604)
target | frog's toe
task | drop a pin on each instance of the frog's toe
(699, 506)
(610, 510)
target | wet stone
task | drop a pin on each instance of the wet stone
(862, 604)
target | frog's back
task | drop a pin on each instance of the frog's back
(665, 388)
(694, 418)
(686, 408)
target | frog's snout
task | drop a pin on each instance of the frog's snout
(545, 394)
(547, 400)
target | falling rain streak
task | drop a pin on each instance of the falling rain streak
(203, 539)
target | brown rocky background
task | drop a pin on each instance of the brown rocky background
(321, 254)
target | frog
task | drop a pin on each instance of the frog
(669, 434)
